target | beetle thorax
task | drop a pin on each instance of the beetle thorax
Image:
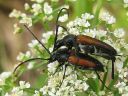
(69, 40)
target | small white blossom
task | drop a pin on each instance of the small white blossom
(52, 67)
(46, 36)
(15, 13)
(33, 44)
(49, 18)
(54, 0)
(63, 18)
(25, 20)
(90, 32)
(47, 8)
(125, 3)
(30, 65)
(38, 1)
(119, 33)
(15, 92)
(87, 16)
(74, 31)
(23, 56)
(26, 6)
(109, 19)
(36, 9)
(24, 85)
(37, 93)
(102, 93)
(17, 29)
(3, 77)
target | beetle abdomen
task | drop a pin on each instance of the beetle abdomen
(85, 63)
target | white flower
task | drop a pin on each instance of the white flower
(74, 31)
(47, 8)
(17, 29)
(33, 44)
(63, 18)
(37, 93)
(38, 1)
(23, 56)
(26, 6)
(52, 66)
(16, 92)
(125, 1)
(46, 36)
(85, 86)
(25, 20)
(44, 90)
(7, 94)
(5, 75)
(37, 8)
(54, 0)
(30, 65)
(90, 32)
(101, 93)
(109, 19)
(15, 13)
(24, 85)
(101, 33)
(119, 33)
(87, 16)
(49, 18)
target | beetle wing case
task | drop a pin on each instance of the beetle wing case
(86, 62)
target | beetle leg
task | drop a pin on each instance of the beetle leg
(113, 60)
(101, 80)
(63, 75)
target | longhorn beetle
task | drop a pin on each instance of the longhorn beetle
(89, 45)
(64, 55)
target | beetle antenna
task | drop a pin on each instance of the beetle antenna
(57, 26)
(37, 39)
(32, 59)
(60, 13)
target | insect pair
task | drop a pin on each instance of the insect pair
(75, 56)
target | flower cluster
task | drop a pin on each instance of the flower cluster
(18, 91)
(109, 19)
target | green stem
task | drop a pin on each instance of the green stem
(97, 12)
(104, 80)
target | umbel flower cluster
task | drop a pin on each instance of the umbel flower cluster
(77, 82)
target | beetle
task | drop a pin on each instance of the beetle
(89, 45)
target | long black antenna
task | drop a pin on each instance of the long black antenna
(37, 39)
(32, 59)
(57, 25)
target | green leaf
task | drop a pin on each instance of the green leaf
(94, 84)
